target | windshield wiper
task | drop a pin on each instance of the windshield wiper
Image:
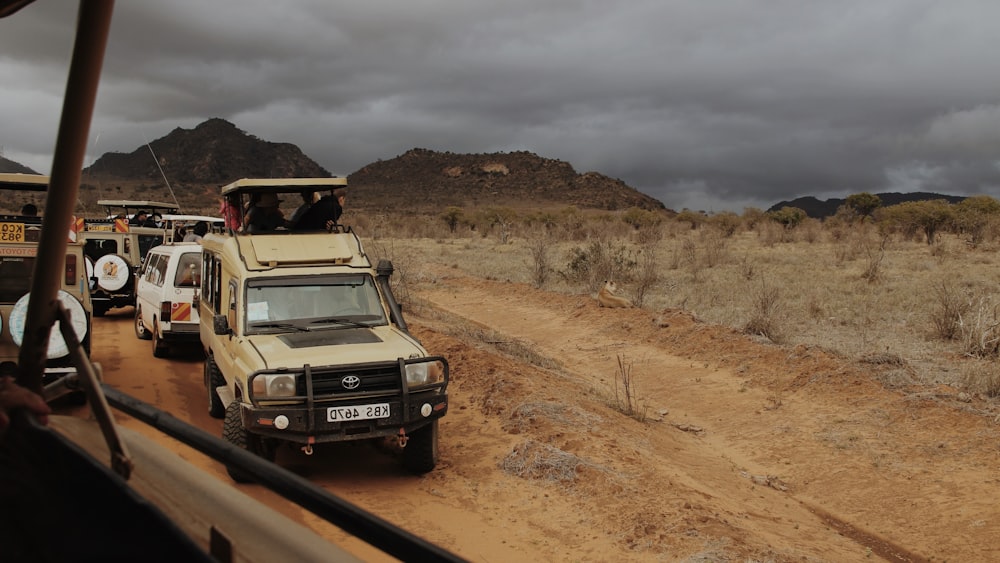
(337, 320)
(291, 326)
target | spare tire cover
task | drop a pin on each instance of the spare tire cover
(112, 272)
(57, 346)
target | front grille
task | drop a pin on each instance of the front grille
(383, 379)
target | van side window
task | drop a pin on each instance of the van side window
(160, 270)
(149, 270)
(188, 271)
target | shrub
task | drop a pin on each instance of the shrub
(602, 260)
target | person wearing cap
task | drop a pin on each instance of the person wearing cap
(265, 215)
(139, 218)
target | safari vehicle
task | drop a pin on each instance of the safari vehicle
(84, 489)
(305, 343)
(115, 249)
(19, 237)
(175, 224)
(167, 286)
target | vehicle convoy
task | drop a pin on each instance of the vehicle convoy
(77, 486)
(115, 248)
(304, 341)
(19, 235)
(167, 287)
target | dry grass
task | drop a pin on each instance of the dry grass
(851, 290)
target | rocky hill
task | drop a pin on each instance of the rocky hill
(214, 152)
(425, 178)
(11, 167)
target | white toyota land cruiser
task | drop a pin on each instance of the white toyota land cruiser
(304, 342)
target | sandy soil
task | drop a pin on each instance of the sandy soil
(747, 451)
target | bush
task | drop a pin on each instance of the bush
(602, 260)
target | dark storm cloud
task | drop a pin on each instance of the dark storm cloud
(712, 105)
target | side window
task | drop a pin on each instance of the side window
(231, 307)
(207, 295)
(217, 276)
(160, 268)
(149, 270)
(143, 269)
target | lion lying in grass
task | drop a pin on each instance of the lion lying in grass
(607, 298)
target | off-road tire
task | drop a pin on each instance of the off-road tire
(213, 379)
(140, 329)
(234, 433)
(160, 348)
(421, 452)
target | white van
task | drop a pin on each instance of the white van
(167, 288)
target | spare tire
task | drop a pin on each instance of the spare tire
(57, 346)
(112, 272)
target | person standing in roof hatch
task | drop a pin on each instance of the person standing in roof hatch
(323, 214)
(265, 215)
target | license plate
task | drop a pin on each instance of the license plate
(11, 232)
(360, 412)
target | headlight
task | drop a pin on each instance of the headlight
(424, 373)
(274, 385)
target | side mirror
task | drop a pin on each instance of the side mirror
(220, 325)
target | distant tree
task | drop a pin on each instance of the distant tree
(863, 204)
(727, 222)
(788, 217)
(927, 217)
(695, 218)
(501, 219)
(975, 216)
(752, 216)
(452, 217)
(638, 218)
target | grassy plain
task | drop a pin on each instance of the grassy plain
(926, 314)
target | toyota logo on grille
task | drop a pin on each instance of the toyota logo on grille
(351, 382)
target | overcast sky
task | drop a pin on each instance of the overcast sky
(714, 105)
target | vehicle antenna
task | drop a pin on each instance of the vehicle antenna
(158, 167)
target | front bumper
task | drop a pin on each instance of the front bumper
(310, 426)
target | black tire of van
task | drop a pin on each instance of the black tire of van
(421, 452)
(213, 379)
(140, 329)
(160, 348)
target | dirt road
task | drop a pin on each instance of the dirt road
(748, 452)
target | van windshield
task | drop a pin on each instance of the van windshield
(313, 303)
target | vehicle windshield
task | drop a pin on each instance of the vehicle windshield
(15, 277)
(313, 303)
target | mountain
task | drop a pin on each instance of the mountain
(198, 161)
(426, 179)
(10, 167)
(826, 208)
(214, 152)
